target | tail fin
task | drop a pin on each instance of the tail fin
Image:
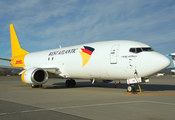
(15, 46)
(173, 58)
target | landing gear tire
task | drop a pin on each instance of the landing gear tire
(131, 88)
(35, 86)
(73, 83)
(70, 83)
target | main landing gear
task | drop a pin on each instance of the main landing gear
(70, 83)
(131, 88)
(36, 86)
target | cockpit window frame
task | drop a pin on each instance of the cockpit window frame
(133, 50)
(147, 49)
(140, 49)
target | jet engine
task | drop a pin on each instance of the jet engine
(36, 76)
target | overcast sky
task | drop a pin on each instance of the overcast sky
(46, 24)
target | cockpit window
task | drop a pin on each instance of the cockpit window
(147, 49)
(132, 50)
(138, 50)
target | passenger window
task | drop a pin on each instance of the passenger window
(132, 50)
(139, 50)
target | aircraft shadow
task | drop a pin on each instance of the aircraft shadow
(144, 87)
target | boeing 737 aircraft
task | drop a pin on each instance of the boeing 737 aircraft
(100, 62)
(173, 57)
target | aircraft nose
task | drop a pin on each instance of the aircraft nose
(163, 62)
(156, 62)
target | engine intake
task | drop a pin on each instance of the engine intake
(35, 76)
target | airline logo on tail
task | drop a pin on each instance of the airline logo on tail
(19, 62)
(86, 54)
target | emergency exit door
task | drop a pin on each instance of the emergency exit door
(113, 54)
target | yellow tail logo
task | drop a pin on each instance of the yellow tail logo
(18, 53)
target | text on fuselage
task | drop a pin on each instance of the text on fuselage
(62, 52)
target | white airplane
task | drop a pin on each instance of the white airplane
(100, 62)
(173, 57)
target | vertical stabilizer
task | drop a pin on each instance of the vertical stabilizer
(15, 46)
(173, 57)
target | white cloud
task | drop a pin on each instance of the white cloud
(46, 25)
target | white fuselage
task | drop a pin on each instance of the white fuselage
(110, 60)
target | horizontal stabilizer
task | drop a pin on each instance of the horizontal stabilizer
(172, 54)
(5, 59)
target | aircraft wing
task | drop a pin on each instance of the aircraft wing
(12, 68)
(15, 70)
(53, 72)
(5, 59)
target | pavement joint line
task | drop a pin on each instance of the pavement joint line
(3, 114)
(160, 102)
(93, 105)
(81, 106)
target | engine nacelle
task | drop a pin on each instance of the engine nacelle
(36, 76)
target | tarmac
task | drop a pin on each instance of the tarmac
(86, 101)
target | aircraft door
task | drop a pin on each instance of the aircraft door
(113, 54)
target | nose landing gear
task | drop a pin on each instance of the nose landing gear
(131, 88)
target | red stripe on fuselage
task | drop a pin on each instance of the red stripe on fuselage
(86, 51)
